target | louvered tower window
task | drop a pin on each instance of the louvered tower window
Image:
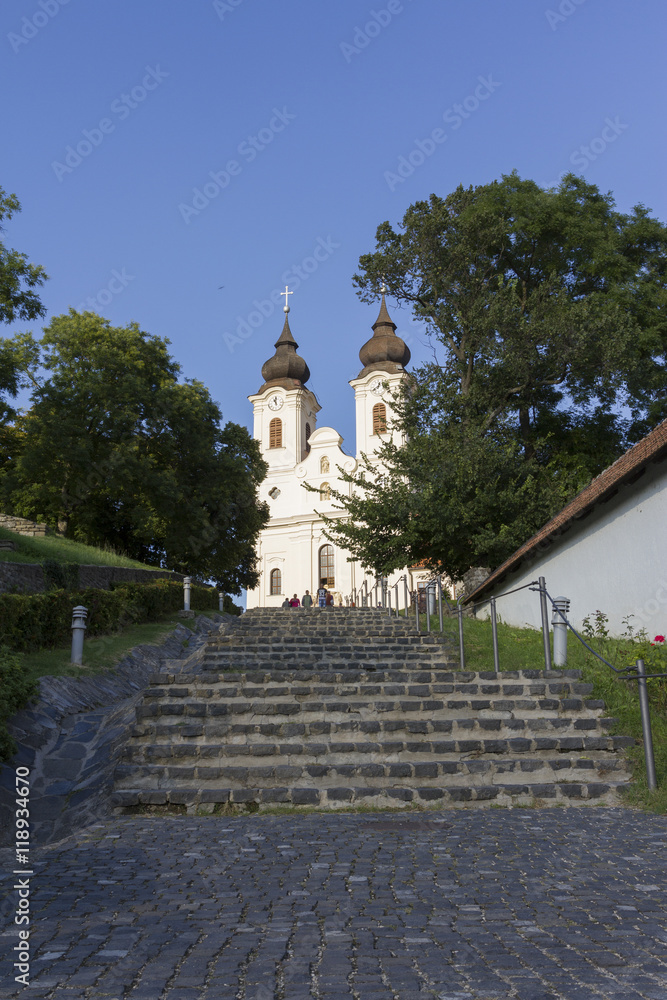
(276, 433)
(379, 418)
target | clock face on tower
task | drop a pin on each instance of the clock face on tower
(376, 386)
(275, 402)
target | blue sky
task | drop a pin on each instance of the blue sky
(290, 119)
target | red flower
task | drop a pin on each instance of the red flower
(659, 639)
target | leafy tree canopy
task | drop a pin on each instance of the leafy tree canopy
(548, 313)
(18, 277)
(118, 452)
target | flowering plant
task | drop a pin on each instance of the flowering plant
(658, 641)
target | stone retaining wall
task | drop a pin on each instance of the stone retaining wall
(21, 526)
(29, 577)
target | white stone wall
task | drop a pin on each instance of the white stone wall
(614, 560)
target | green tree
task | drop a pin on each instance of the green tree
(18, 277)
(548, 314)
(117, 451)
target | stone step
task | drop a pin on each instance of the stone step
(435, 773)
(412, 675)
(341, 797)
(470, 730)
(228, 688)
(336, 709)
(389, 751)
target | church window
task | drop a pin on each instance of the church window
(327, 566)
(276, 433)
(274, 493)
(324, 464)
(325, 491)
(379, 418)
(276, 581)
(307, 438)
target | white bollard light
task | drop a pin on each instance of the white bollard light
(221, 600)
(187, 582)
(560, 630)
(79, 615)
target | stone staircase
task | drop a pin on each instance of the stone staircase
(339, 707)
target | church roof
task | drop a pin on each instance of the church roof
(384, 352)
(285, 368)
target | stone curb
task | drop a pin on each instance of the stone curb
(70, 737)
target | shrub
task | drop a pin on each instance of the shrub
(34, 621)
(17, 690)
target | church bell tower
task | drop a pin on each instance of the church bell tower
(285, 411)
(384, 358)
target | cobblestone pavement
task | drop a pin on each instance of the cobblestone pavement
(535, 904)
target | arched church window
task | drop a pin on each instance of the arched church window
(276, 433)
(379, 418)
(307, 438)
(324, 464)
(325, 491)
(326, 563)
(276, 579)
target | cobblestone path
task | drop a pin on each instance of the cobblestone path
(534, 904)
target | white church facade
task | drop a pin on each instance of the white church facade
(293, 553)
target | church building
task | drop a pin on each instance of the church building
(294, 555)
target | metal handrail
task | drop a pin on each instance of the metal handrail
(631, 673)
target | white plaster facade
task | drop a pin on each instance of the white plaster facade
(614, 560)
(293, 541)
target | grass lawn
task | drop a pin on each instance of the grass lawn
(101, 653)
(63, 550)
(522, 648)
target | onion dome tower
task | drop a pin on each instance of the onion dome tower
(384, 352)
(285, 368)
(384, 358)
(285, 409)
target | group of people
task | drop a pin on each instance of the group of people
(324, 597)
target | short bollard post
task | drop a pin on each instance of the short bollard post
(221, 600)
(389, 602)
(646, 726)
(79, 615)
(494, 631)
(187, 582)
(545, 623)
(396, 597)
(417, 608)
(559, 614)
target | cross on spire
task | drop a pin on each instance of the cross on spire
(286, 293)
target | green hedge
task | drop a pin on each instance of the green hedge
(37, 621)
(17, 691)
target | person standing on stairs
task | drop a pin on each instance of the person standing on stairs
(306, 600)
